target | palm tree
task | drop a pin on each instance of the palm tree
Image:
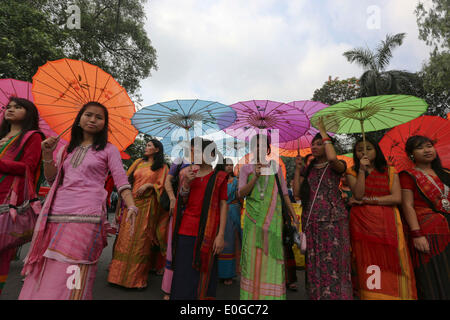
(376, 80)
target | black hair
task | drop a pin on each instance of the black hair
(305, 159)
(259, 138)
(158, 158)
(205, 143)
(100, 139)
(29, 123)
(227, 161)
(414, 142)
(379, 163)
(305, 188)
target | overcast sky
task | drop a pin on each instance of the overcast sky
(234, 50)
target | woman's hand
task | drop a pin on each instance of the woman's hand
(49, 144)
(142, 189)
(321, 126)
(421, 244)
(364, 163)
(131, 218)
(173, 201)
(219, 244)
(299, 163)
(353, 202)
(190, 175)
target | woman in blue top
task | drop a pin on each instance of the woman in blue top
(233, 231)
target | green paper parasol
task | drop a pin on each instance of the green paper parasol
(370, 114)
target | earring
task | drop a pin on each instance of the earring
(411, 157)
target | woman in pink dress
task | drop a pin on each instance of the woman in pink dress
(70, 233)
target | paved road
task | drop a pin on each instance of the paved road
(105, 291)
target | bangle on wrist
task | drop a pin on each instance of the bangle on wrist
(416, 233)
(326, 139)
(47, 161)
(133, 208)
(327, 142)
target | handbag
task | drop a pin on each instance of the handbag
(302, 245)
(164, 200)
(290, 232)
(17, 221)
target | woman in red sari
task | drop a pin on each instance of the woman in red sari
(20, 155)
(379, 251)
(426, 208)
(198, 227)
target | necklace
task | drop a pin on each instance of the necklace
(79, 155)
(444, 193)
(261, 191)
(321, 165)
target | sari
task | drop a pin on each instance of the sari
(262, 257)
(233, 235)
(69, 236)
(16, 165)
(432, 270)
(134, 254)
(193, 262)
(378, 240)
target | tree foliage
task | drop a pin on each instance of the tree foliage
(434, 26)
(376, 80)
(111, 36)
(434, 29)
(335, 91)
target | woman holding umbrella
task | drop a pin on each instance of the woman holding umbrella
(20, 156)
(376, 228)
(135, 255)
(426, 208)
(262, 257)
(70, 235)
(198, 226)
(324, 221)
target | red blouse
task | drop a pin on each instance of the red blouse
(191, 216)
(30, 158)
(407, 182)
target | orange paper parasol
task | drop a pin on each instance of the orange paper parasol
(62, 87)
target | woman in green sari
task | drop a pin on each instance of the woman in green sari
(262, 258)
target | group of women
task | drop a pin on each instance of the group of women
(393, 243)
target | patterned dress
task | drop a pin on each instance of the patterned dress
(328, 264)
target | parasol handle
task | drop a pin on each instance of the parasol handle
(62, 133)
(364, 135)
(298, 147)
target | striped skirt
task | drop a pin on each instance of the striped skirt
(262, 277)
(59, 281)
